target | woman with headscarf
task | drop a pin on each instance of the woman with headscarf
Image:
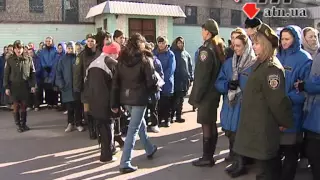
(231, 83)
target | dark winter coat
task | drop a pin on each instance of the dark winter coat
(2, 63)
(83, 60)
(64, 77)
(159, 70)
(134, 80)
(183, 74)
(265, 107)
(14, 80)
(99, 82)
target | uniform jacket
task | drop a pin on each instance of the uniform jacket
(297, 64)
(265, 107)
(48, 60)
(230, 114)
(204, 93)
(134, 80)
(64, 77)
(168, 63)
(183, 74)
(99, 92)
(83, 60)
(19, 77)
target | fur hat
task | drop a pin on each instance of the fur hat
(252, 23)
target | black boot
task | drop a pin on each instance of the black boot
(91, 127)
(207, 158)
(24, 121)
(179, 119)
(16, 117)
(237, 168)
(119, 140)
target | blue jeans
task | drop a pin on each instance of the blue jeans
(137, 125)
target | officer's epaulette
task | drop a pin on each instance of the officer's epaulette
(271, 64)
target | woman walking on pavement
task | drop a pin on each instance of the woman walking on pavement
(133, 83)
(19, 80)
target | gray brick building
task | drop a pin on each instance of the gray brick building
(227, 12)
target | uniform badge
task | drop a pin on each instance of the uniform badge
(274, 81)
(203, 55)
(77, 61)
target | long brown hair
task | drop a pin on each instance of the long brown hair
(219, 48)
(268, 50)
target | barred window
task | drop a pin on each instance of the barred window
(2, 5)
(215, 14)
(235, 17)
(191, 13)
(36, 6)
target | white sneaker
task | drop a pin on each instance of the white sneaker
(69, 128)
(65, 113)
(36, 109)
(28, 109)
(155, 129)
(80, 128)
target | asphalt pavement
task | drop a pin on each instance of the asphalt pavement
(46, 152)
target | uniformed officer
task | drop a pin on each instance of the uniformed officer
(19, 80)
(204, 95)
(265, 108)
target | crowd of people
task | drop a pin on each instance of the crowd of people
(119, 87)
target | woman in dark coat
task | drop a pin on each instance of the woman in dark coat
(133, 83)
(64, 80)
(19, 79)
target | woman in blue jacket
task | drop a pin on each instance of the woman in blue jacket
(64, 80)
(297, 63)
(231, 82)
(311, 123)
(168, 62)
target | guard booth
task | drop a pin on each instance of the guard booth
(150, 20)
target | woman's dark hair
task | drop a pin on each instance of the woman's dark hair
(117, 33)
(132, 48)
(10, 45)
(100, 39)
(280, 46)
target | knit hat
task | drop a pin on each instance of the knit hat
(113, 48)
(252, 23)
(269, 34)
(162, 39)
(212, 26)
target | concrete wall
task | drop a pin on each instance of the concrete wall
(192, 36)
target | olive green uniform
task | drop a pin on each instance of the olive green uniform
(19, 77)
(204, 95)
(265, 108)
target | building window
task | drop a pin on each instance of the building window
(146, 27)
(36, 6)
(105, 24)
(236, 18)
(71, 11)
(2, 5)
(215, 14)
(191, 13)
